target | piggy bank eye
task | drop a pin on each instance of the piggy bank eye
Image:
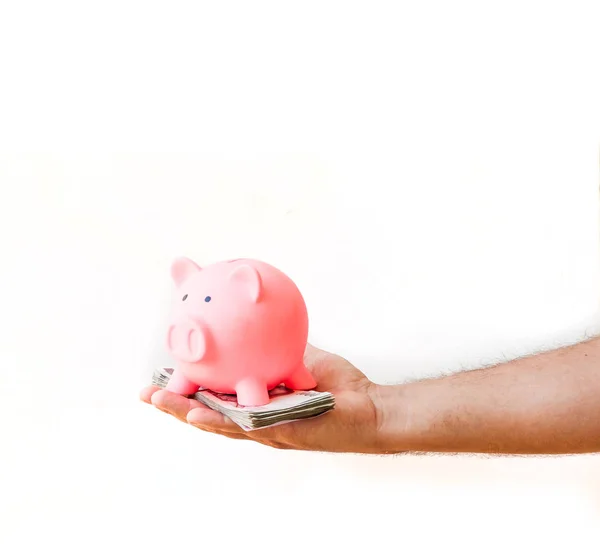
(207, 299)
(184, 298)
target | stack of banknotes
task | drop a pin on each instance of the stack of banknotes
(285, 405)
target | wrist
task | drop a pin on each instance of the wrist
(392, 409)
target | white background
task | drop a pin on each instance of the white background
(426, 171)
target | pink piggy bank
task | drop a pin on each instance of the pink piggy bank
(237, 327)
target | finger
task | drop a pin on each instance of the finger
(280, 437)
(214, 422)
(312, 355)
(174, 404)
(207, 419)
(236, 436)
(147, 392)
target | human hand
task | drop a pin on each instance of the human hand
(351, 427)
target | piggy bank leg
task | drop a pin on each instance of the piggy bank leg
(252, 392)
(300, 380)
(180, 385)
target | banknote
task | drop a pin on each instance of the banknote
(284, 406)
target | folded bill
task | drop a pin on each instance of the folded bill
(285, 405)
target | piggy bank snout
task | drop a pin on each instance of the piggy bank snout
(186, 340)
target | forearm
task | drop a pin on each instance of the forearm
(544, 404)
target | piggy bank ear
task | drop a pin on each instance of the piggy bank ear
(186, 342)
(182, 268)
(248, 279)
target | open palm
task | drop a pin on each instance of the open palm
(350, 427)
